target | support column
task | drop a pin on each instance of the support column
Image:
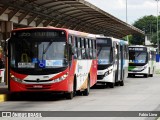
(6, 28)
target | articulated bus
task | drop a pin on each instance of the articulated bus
(142, 61)
(51, 59)
(112, 61)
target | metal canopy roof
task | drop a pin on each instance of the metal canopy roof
(72, 14)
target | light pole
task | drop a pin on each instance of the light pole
(127, 18)
(157, 31)
(126, 12)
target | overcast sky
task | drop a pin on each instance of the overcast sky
(136, 8)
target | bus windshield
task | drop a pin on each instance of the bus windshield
(38, 53)
(137, 57)
(104, 55)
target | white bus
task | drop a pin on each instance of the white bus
(142, 61)
(112, 61)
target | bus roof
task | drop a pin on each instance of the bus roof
(73, 32)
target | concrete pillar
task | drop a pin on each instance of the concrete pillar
(6, 28)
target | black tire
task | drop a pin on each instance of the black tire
(133, 75)
(79, 93)
(69, 95)
(111, 85)
(129, 75)
(116, 84)
(121, 83)
(87, 90)
(146, 75)
(106, 85)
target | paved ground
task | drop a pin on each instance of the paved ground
(138, 94)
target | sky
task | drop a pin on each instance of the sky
(135, 8)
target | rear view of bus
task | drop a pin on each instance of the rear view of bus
(141, 61)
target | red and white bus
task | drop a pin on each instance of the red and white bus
(51, 59)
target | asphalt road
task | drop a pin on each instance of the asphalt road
(138, 94)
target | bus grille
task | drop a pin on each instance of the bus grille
(37, 81)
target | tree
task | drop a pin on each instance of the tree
(148, 24)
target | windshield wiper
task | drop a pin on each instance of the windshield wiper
(99, 51)
(45, 50)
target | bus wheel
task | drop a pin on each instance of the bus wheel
(69, 95)
(116, 83)
(111, 85)
(86, 91)
(121, 83)
(129, 75)
(146, 75)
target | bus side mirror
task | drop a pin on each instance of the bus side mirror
(70, 52)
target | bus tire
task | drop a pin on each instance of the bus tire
(129, 75)
(111, 85)
(69, 95)
(121, 83)
(146, 75)
(87, 90)
(116, 84)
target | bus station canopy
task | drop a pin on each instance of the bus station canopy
(77, 15)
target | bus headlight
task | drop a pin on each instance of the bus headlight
(145, 67)
(15, 78)
(108, 72)
(61, 78)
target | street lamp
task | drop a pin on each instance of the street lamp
(157, 31)
(127, 19)
(126, 12)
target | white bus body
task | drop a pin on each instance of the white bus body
(112, 61)
(142, 61)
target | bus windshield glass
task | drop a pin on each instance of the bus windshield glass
(38, 51)
(137, 56)
(104, 55)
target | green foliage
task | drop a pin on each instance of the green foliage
(148, 24)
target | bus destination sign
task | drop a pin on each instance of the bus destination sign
(137, 48)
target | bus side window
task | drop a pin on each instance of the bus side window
(70, 40)
(75, 47)
(83, 49)
(79, 48)
(111, 55)
(87, 48)
(70, 52)
(94, 49)
(90, 49)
